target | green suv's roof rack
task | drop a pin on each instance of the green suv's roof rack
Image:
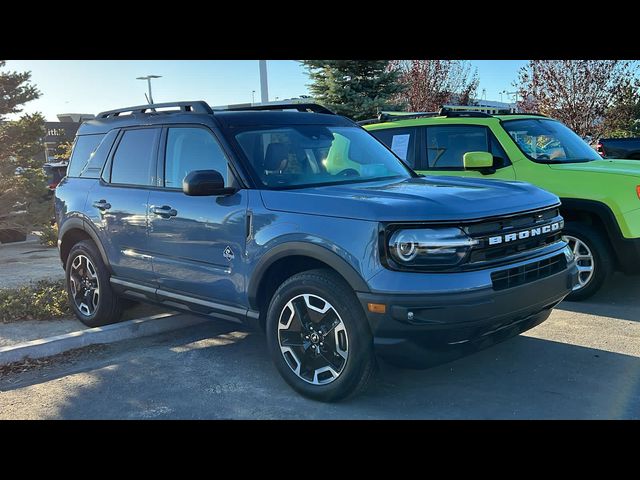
(444, 112)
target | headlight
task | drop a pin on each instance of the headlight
(429, 247)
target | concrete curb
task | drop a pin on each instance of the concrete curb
(139, 327)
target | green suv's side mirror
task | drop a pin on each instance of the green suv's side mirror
(477, 160)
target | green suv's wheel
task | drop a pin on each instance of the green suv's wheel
(90, 294)
(318, 336)
(593, 258)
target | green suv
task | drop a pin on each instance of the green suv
(600, 197)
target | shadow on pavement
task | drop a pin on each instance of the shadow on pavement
(216, 371)
(618, 298)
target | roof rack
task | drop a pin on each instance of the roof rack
(198, 106)
(301, 107)
(446, 112)
(397, 116)
(524, 113)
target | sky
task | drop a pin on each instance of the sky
(91, 86)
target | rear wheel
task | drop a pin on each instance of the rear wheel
(318, 336)
(90, 294)
(593, 257)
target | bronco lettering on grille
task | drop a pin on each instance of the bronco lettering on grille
(524, 234)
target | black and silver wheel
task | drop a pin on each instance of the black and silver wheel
(313, 339)
(84, 285)
(593, 258)
(90, 294)
(319, 337)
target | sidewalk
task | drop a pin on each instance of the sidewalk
(26, 330)
(24, 262)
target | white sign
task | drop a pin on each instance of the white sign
(400, 145)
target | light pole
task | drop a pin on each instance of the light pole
(253, 97)
(264, 84)
(148, 79)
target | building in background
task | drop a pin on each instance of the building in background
(61, 131)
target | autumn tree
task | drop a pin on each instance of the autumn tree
(429, 84)
(22, 180)
(355, 88)
(581, 93)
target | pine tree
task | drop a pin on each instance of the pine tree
(22, 180)
(355, 88)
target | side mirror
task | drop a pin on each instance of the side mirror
(478, 161)
(202, 183)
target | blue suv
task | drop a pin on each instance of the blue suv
(298, 222)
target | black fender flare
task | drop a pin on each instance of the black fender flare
(317, 252)
(78, 223)
(606, 216)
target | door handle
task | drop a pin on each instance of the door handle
(165, 211)
(102, 205)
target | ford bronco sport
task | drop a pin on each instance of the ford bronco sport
(600, 198)
(301, 223)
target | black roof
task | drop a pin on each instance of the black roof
(144, 115)
(242, 118)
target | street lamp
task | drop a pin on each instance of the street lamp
(148, 79)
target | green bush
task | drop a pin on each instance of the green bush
(49, 236)
(42, 300)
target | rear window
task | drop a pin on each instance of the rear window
(83, 149)
(401, 141)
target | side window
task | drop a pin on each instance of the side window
(447, 145)
(133, 162)
(190, 149)
(83, 149)
(402, 141)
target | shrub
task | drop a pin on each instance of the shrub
(49, 235)
(42, 300)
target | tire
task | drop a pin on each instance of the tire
(602, 258)
(93, 311)
(309, 293)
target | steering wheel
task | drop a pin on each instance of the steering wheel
(544, 156)
(348, 172)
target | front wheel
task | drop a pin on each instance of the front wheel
(593, 258)
(318, 336)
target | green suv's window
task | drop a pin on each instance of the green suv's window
(447, 144)
(549, 141)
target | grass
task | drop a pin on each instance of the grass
(43, 300)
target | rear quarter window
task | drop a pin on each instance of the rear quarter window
(83, 150)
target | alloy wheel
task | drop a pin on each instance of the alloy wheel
(313, 339)
(584, 260)
(84, 284)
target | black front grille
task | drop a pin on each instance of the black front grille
(512, 277)
(486, 253)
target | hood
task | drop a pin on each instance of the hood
(416, 199)
(609, 165)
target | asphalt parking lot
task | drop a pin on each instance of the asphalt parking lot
(583, 363)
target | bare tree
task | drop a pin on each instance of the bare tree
(580, 93)
(429, 84)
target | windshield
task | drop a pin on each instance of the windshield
(301, 155)
(549, 141)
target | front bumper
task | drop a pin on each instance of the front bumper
(427, 329)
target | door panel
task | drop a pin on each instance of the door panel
(188, 249)
(119, 201)
(197, 243)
